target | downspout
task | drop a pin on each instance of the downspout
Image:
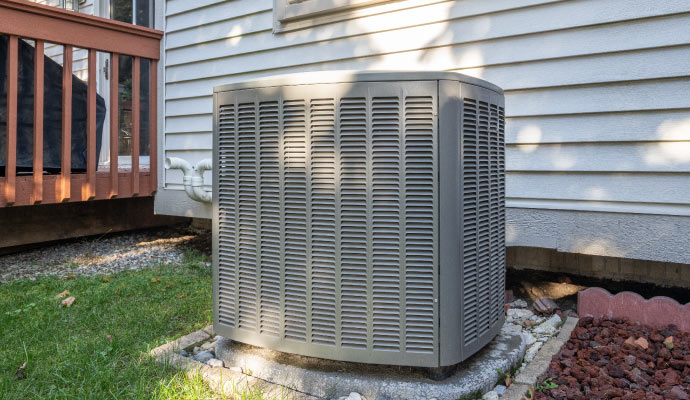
(198, 181)
(187, 169)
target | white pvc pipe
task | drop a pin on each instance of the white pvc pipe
(198, 181)
(187, 170)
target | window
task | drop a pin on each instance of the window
(138, 12)
(296, 14)
(66, 4)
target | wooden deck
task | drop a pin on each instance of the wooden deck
(26, 20)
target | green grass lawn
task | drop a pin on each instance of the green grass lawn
(98, 348)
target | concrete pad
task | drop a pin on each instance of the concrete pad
(229, 383)
(332, 379)
(181, 343)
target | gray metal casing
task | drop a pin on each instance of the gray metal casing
(359, 216)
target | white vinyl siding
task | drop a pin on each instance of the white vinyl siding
(597, 104)
(80, 62)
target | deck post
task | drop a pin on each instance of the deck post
(114, 123)
(39, 63)
(11, 142)
(136, 118)
(66, 166)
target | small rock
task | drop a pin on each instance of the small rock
(208, 346)
(518, 316)
(196, 350)
(217, 338)
(529, 338)
(616, 372)
(668, 342)
(500, 390)
(677, 393)
(549, 326)
(214, 362)
(492, 395)
(630, 359)
(545, 305)
(642, 343)
(353, 396)
(183, 353)
(532, 351)
(519, 303)
(203, 356)
(512, 327)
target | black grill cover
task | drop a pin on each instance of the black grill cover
(52, 113)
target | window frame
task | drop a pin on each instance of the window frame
(291, 15)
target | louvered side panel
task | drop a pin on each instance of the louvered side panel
(295, 217)
(470, 190)
(501, 171)
(385, 214)
(494, 217)
(420, 179)
(269, 209)
(353, 217)
(247, 230)
(323, 222)
(227, 214)
(484, 223)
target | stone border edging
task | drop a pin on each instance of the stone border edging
(540, 363)
(220, 379)
(658, 311)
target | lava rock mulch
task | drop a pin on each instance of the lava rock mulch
(616, 359)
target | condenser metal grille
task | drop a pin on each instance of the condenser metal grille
(483, 216)
(326, 224)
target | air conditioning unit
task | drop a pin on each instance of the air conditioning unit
(359, 216)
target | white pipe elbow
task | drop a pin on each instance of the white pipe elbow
(187, 170)
(198, 181)
(204, 165)
(178, 163)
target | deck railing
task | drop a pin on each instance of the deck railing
(25, 20)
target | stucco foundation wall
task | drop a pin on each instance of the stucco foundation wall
(634, 236)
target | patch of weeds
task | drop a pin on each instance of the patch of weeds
(547, 384)
(24, 309)
(198, 262)
(195, 257)
(530, 394)
(506, 378)
(476, 395)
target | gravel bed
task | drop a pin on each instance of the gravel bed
(607, 359)
(106, 254)
(535, 328)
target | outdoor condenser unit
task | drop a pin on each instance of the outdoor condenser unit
(359, 216)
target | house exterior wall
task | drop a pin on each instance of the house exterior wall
(597, 105)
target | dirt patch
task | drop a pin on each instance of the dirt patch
(607, 359)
